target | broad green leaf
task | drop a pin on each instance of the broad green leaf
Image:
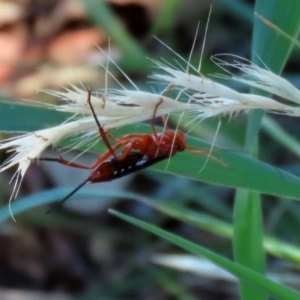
(241, 170)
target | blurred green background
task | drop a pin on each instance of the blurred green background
(83, 252)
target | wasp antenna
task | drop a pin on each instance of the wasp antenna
(58, 204)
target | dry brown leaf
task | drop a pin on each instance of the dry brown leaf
(46, 77)
(10, 12)
(73, 46)
(12, 44)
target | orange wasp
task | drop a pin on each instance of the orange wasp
(139, 152)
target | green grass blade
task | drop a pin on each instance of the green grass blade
(221, 228)
(265, 284)
(100, 13)
(280, 135)
(165, 21)
(248, 239)
(54, 195)
(173, 288)
(269, 48)
(202, 221)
